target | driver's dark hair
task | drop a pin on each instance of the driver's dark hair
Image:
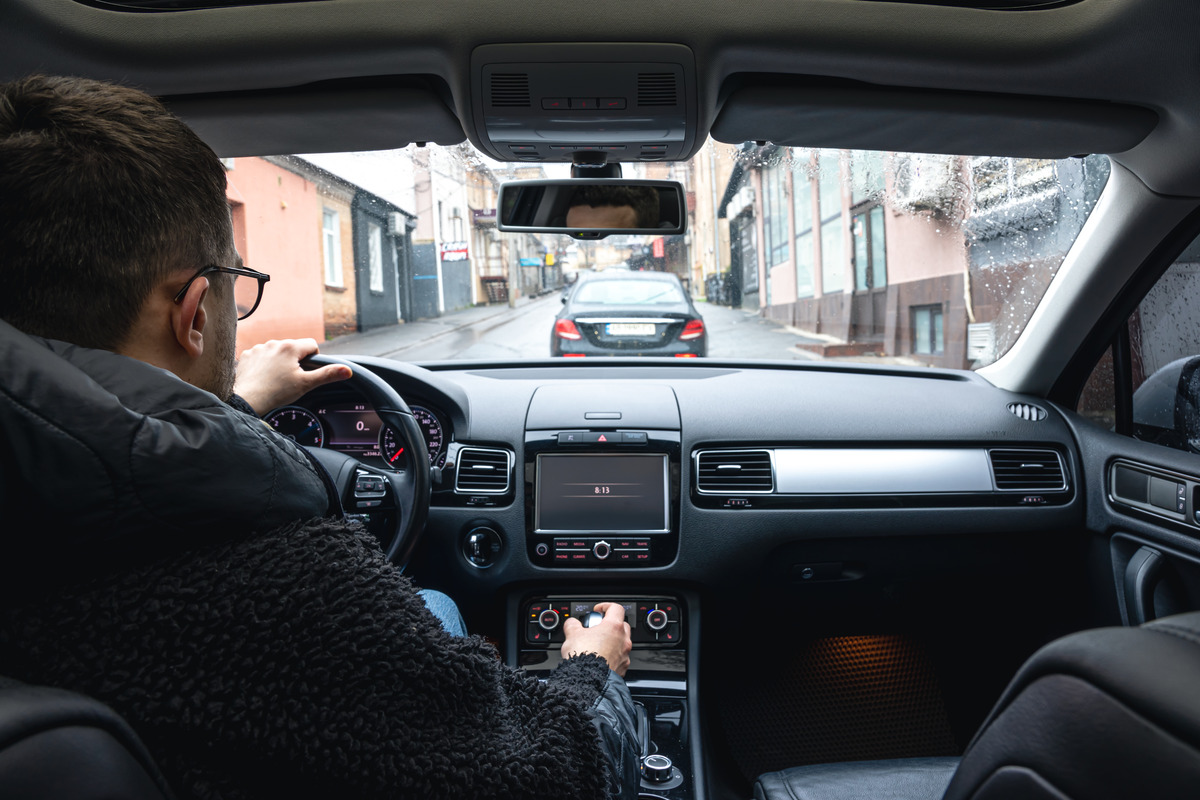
(643, 199)
(103, 194)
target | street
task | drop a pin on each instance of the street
(503, 333)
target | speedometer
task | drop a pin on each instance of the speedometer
(431, 431)
(432, 428)
(298, 424)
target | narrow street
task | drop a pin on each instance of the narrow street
(503, 333)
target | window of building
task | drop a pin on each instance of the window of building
(775, 216)
(331, 236)
(833, 249)
(870, 252)
(375, 256)
(802, 211)
(928, 337)
(866, 176)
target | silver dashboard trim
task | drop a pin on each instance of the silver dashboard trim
(881, 471)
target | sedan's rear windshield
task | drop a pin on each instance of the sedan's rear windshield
(835, 255)
(629, 293)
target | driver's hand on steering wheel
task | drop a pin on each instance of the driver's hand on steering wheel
(608, 639)
(269, 374)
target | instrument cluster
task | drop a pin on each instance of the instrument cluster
(355, 429)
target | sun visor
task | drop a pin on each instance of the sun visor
(855, 117)
(318, 119)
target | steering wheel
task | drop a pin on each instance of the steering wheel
(357, 483)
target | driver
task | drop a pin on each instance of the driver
(177, 559)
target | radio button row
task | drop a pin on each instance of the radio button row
(594, 551)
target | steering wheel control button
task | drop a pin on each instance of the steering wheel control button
(602, 550)
(656, 620)
(548, 619)
(367, 485)
(482, 546)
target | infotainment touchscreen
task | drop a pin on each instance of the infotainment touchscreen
(602, 493)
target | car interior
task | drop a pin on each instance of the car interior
(840, 573)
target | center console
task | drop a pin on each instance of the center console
(602, 499)
(657, 675)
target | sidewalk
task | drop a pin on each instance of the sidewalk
(388, 338)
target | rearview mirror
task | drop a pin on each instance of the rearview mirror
(592, 208)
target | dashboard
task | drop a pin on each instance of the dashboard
(698, 473)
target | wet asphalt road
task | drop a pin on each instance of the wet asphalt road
(502, 333)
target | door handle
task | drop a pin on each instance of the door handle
(1142, 575)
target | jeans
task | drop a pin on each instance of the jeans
(442, 607)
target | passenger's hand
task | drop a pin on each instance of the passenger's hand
(609, 640)
(269, 374)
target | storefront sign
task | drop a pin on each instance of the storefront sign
(454, 251)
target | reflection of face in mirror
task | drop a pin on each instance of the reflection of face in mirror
(613, 207)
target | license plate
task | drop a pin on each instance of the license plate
(629, 329)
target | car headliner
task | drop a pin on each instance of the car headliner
(398, 59)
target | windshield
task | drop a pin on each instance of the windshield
(886, 258)
(628, 293)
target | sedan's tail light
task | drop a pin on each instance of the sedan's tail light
(565, 329)
(693, 330)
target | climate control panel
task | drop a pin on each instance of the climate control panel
(653, 621)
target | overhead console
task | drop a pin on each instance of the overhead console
(548, 102)
(602, 476)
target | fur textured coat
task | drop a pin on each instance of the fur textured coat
(302, 664)
(158, 563)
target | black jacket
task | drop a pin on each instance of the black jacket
(296, 662)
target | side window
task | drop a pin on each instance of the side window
(1151, 374)
(1164, 357)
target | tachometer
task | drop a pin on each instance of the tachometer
(298, 424)
(431, 430)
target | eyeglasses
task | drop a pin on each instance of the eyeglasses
(261, 277)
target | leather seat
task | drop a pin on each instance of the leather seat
(62, 745)
(1106, 713)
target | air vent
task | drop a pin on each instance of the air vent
(1027, 470)
(734, 472)
(482, 471)
(657, 89)
(1027, 411)
(510, 90)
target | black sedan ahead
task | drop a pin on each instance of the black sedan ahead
(622, 313)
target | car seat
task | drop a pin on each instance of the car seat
(62, 745)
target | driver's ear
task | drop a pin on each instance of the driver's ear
(188, 318)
